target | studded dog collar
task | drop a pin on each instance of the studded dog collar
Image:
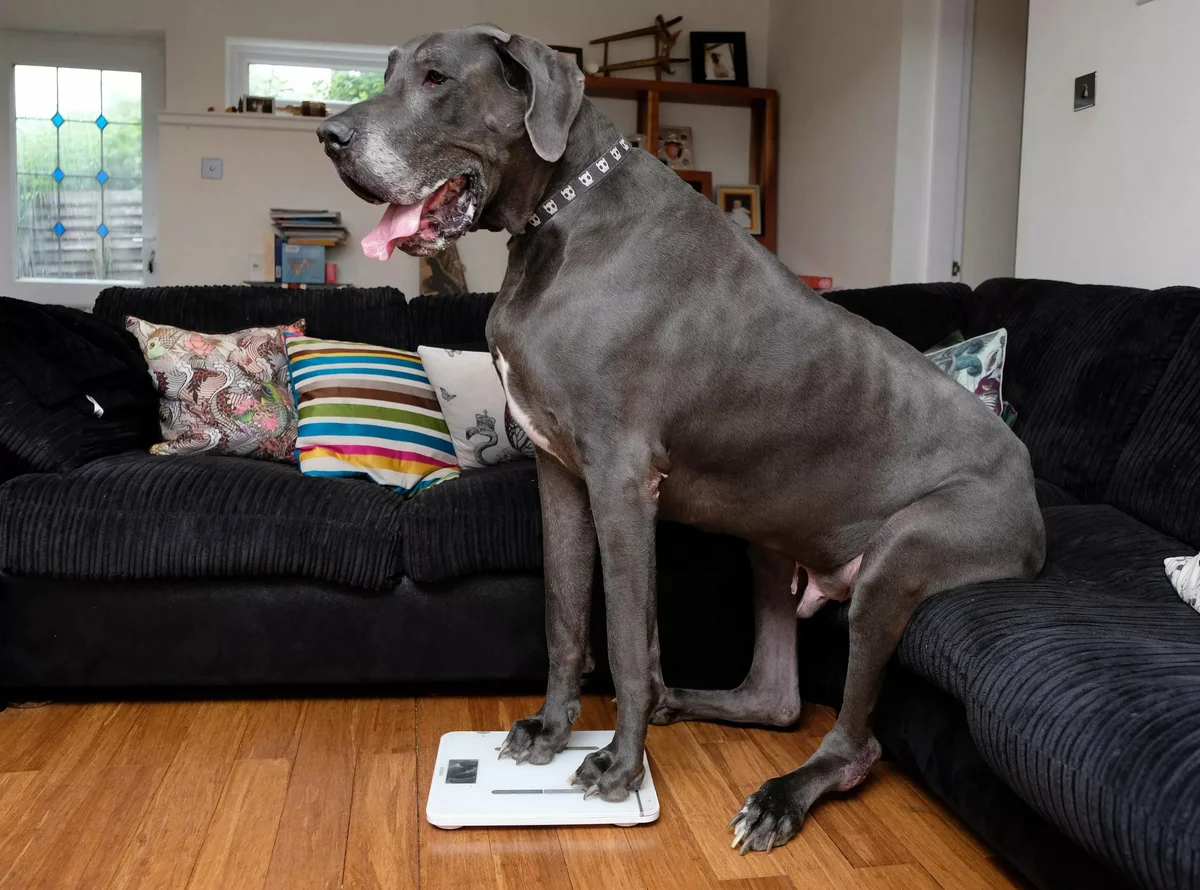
(583, 183)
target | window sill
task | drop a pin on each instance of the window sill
(244, 121)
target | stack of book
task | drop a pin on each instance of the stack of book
(298, 246)
(322, 228)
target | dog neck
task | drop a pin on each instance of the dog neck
(532, 179)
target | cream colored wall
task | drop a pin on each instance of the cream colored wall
(1109, 194)
(837, 66)
(208, 229)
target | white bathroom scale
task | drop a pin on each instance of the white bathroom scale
(471, 786)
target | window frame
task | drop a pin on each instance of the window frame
(242, 52)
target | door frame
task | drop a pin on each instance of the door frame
(934, 112)
(132, 53)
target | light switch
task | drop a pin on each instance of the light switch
(1085, 91)
(211, 168)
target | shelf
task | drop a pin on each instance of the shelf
(239, 121)
(676, 91)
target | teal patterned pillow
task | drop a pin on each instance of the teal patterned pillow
(978, 364)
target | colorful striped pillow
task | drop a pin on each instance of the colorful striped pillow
(368, 411)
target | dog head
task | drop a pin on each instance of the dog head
(464, 134)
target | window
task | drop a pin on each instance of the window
(78, 173)
(290, 71)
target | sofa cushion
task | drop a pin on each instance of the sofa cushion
(488, 520)
(71, 389)
(1082, 364)
(1156, 478)
(377, 315)
(1082, 689)
(140, 516)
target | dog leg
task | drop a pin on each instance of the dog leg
(569, 547)
(932, 545)
(770, 694)
(624, 509)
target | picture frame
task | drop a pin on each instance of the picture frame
(259, 104)
(719, 57)
(744, 204)
(675, 147)
(700, 180)
(575, 52)
(637, 140)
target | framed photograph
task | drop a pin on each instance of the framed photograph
(260, 104)
(720, 57)
(675, 147)
(637, 140)
(700, 180)
(575, 52)
(743, 204)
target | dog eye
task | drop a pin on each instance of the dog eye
(435, 78)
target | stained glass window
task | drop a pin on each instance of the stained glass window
(79, 173)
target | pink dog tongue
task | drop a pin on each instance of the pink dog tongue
(399, 221)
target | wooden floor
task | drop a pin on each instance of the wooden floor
(292, 795)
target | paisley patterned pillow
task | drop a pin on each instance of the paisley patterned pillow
(221, 393)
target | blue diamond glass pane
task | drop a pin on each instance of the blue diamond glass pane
(101, 122)
(102, 177)
(103, 230)
(59, 228)
(57, 120)
(57, 174)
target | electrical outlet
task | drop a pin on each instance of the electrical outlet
(211, 168)
(1085, 91)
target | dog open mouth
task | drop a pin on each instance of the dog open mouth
(424, 227)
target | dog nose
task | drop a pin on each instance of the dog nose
(335, 134)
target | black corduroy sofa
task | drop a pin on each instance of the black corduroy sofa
(119, 569)
(1060, 718)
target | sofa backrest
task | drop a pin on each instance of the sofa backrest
(922, 315)
(374, 315)
(1157, 477)
(1084, 364)
(458, 320)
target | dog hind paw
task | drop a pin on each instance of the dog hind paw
(769, 818)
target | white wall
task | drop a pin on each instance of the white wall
(1111, 194)
(837, 66)
(208, 229)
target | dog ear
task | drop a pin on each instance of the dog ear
(393, 61)
(554, 91)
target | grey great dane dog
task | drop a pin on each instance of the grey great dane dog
(666, 366)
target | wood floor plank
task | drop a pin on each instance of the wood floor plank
(310, 849)
(87, 744)
(665, 852)
(382, 842)
(237, 847)
(14, 790)
(952, 862)
(27, 735)
(386, 726)
(155, 738)
(76, 849)
(599, 857)
(164, 849)
(459, 859)
(908, 876)
(706, 801)
(272, 730)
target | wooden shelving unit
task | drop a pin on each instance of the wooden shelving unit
(764, 125)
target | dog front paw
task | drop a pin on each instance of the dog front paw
(536, 740)
(769, 818)
(606, 774)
